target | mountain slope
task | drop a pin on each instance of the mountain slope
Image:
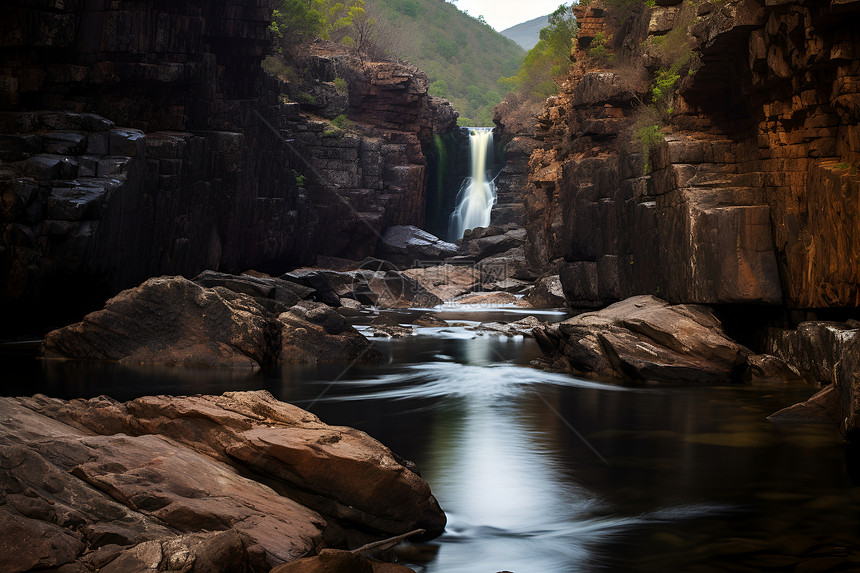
(527, 34)
(462, 56)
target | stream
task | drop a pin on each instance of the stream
(544, 472)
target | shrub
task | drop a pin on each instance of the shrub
(648, 137)
(340, 85)
(342, 122)
(306, 98)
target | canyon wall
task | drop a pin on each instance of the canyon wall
(741, 185)
(143, 138)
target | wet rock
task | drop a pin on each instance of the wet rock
(645, 338)
(430, 320)
(409, 246)
(813, 349)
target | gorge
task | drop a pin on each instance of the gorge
(631, 344)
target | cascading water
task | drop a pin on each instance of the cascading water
(477, 195)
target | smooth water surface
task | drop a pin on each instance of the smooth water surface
(543, 472)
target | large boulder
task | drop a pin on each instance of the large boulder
(238, 482)
(645, 338)
(446, 281)
(314, 332)
(174, 321)
(407, 246)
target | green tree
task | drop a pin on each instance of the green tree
(298, 21)
(549, 59)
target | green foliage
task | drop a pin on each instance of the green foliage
(275, 66)
(648, 137)
(298, 21)
(334, 132)
(549, 59)
(598, 49)
(300, 179)
(306, 98)
(843, 165)
(340, 85)
(341, 122)
(462, 57)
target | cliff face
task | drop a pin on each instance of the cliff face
(750, 192)
(143, 138)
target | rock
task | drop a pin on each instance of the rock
(285, 292)
(819, 409)
(484, 246)
(339, 561)
(314, 332)
(644, 338)
(446, 281)
(523, 327)
(506, 265)
(487, 299)
(409, 246)
(157, 483)
(847, 383)
(813, 349)
(766, 368)
(547, 293)
(430, 320)
(174, 321)
(170, 320)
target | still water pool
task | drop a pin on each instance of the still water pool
(543, 472)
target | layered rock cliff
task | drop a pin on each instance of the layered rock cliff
(704, 152)
(141, 139)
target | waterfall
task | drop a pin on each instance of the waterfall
(477, 195)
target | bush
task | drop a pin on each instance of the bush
(306, 98)
(340, 85)
(648, 137)
(341, 122)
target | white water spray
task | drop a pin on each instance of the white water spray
(477, 196)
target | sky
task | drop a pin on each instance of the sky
(502, 14)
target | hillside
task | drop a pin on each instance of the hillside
(462, 56)
(527, 34)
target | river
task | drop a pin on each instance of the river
(543, 472)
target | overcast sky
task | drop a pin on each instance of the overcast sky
(502, 14)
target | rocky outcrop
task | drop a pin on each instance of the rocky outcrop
(734, 182)
(646, 339)
(159, 484)
(826, 355)
(142, 140)
(174, 321)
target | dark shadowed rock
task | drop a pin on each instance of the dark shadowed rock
(547, 293)
(646, 338)
(819, 409)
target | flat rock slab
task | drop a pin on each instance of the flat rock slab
(136, 485)
(645, 338)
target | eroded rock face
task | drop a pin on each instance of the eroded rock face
(157, 479)
(174, 321)
(645, 338)
(749, 194)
